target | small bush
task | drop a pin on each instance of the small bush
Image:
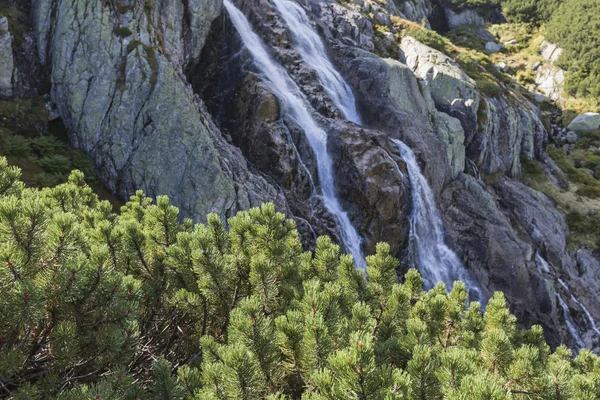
(45, 146)
(122, 32)
(578, 175)
(16, 146)
(56, 164)
(489, 88)
(593, 192)
(430, 38)
(45, 180)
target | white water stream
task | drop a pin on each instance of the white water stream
(436, 261)
(430, 254)
(312, 50)
(294, 104)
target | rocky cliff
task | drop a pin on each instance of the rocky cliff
(164, 97)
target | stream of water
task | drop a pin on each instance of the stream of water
(294, 104)
(312, 50)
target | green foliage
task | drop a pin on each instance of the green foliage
(529, 11)
(142, 305)
(16, 146)
(575, 27)
(567, 165)
(459, 5)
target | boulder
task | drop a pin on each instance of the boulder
(585, 122)
(501, 66)
(465, 17)
(493, 47)
(572, 137)
(7, 66)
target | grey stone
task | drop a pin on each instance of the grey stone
(572, 137)
(466, 17)
(7, 66)
(493, 47)
(585, 122)
(501, 66)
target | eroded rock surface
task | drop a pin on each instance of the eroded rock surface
(7, 66)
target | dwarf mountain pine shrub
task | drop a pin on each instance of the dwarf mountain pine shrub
(142, 305)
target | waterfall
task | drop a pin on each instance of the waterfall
(587, 313)
(293, 102)
(572, 328)
(543, 266)
(436, 261)
(313, 52)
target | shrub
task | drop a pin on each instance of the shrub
(140, 305)
(16, 146)
(45, 146)
(575, 27)
(579, 175)
(56, 164)
(48, 180)
(459, 5)
(592, 192)
(488, 87)
(530, 11)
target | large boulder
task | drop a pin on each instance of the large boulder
(7, 66)
(585, 122)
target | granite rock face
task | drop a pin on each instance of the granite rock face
(7, 66)
(124, 101)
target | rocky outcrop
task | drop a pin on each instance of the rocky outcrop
(124, 102)
(549, 79)
(509, 128)
(451, 89)
(7, 67)
(464, 17)
(390, 99)
(585, 122)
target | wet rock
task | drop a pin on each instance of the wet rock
(372, 183)
(391, 99)
(7, 66)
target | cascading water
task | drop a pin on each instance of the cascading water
(543, 266)
(587, 313)
(312, 50)
(294, 103)
(569, 322)
(435, 260)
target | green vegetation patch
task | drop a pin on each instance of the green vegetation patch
(575, 27)
(142, 305)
